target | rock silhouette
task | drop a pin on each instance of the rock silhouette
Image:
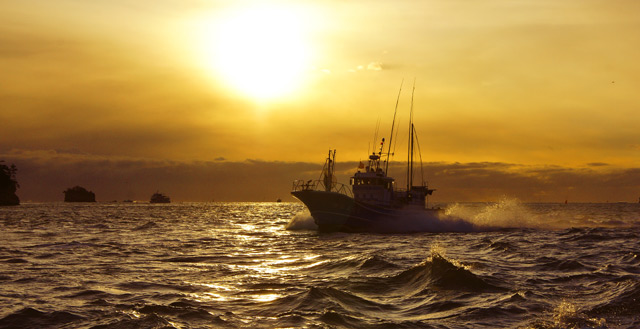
(78, 194)
(159, 198)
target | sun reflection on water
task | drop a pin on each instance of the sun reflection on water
(265, 297)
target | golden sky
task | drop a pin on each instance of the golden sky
(544, 83)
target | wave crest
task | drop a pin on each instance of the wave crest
(438, 272)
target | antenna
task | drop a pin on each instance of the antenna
(393, 123)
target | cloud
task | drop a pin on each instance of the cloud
(374, 66)
(597, 164)
(43, 175)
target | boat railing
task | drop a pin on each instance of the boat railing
(319, 185)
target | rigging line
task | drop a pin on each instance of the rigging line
(396, 139)
(393, 123)
(375, 135)
(419, 153)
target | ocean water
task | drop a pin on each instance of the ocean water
(262, 265)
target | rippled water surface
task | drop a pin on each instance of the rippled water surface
(237, 265)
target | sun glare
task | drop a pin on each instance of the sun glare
(260, 51)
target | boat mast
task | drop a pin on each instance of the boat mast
(393, 123)
(410, 144)
(412, 152)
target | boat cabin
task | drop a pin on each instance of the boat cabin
(373, 186)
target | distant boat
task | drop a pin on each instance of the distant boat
(159, 198)
(279, 200)
(373, 203)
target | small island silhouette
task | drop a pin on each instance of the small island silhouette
(8, 185)
(78, 194)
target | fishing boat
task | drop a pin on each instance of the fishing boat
(372, 202)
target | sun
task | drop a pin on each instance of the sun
(260, 51)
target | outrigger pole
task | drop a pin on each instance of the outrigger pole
(393, 123)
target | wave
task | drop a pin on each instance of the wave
(421, 292)
(146, 226)
(316, 299)
(136, 286)
(567, 315)
(59, 247)
(623, 300)
(367, 264)
(501, 246)
(195, 259)
(148, 321)
(188, 313)
(32, 318)
(376, 264)
(437, 272)
(147, 316)
(587, 235)
(560, 265)
(90, 294)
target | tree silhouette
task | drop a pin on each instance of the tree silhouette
(8, 185)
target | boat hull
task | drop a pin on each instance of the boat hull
(330, 210)
(336, 212)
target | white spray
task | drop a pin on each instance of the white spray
(507, 213)
(302, 221)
